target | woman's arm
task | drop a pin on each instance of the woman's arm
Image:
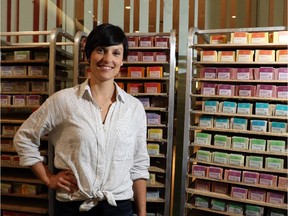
(139, 188)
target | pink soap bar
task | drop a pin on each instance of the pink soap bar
(244, 73)
(202, 185)
(161, 57)
(282, 73)
(239, 193)
(246, 90)
(226, 73)
(219, 187)
(257, 195)
(215, 172)
(226, 90)
(282, 182)
(208, 88)
(208, 73)
(282, 91)
(148, 56)
(199, 171)
(264, 73)
(275, 197)
(267, 179)
(250, 177)
(232, 175)
(266, 91)
(134, 56)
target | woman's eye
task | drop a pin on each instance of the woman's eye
(117, 53)
(99, 50)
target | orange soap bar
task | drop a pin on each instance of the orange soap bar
(152, 87)
(135, 88)
(136, 71)
(155, 72)
(218, 39)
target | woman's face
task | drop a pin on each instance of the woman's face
(105, 62)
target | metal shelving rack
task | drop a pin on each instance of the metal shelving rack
(164, 160)
(58, 60)
(193, 101)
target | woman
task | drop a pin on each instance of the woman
(99, 135)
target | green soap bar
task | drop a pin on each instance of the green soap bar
(203, 138)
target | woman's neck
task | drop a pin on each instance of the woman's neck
(103, 92)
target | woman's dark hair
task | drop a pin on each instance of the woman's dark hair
(106, 35)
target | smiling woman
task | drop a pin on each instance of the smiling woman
(98, 175)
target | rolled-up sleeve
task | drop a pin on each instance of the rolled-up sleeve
(27, 139)
(141, 157)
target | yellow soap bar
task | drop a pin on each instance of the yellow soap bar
(282, 55)
(258, 38)
(265, 56)
(155, 133)
(244, 55)
(280, 37)
(153, 149)
(239, 37)
(209, 55)
(226, 56)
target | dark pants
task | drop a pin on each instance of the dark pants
(123, 208)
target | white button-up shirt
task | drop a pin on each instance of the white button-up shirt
(105, 158)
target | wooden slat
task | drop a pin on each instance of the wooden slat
(271, 13)
(8, 19)
(285, 13)
(233, 10)
(126, 16)
(248, 13)
(36, 11)
(45, 15)
(223, 14)
(17, 19)
(201, 18)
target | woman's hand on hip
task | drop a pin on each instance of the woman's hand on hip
(64, 180)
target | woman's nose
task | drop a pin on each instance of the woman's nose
(107, 56)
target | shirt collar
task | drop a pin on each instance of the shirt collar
(85, 88)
